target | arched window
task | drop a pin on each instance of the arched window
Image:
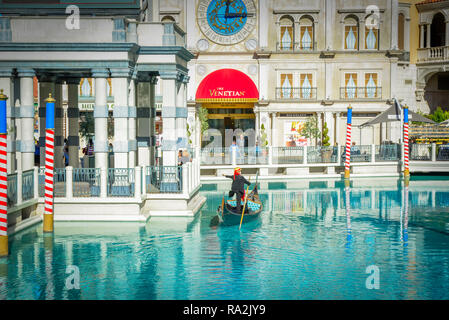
(306, 34)
(401, 31)
(86, 87)
(286, 35)
(371, 36)
(438, 31)
(351, 41)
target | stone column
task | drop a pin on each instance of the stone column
(132, 142)
(7, 85)
(120, 84)
(328, 81)
(144, 130)
(428, 35)
(407, 34)
(152, 121)
(101, 118)
(320, 116)
(74, 128)
(59, 116)
(446, 41)
(394, 24)
(337, 127)
(421, 36)
(329, 119)
(274, 131)
(190, 24)
(27, 118)
(329, 24)
(362, 37)
(169, 138)
(46, 86)
(264, 16)
(181, 112)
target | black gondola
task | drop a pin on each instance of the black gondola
(253, 208)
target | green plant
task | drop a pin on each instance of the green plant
(203, 115)
(311, 130)
(325, 141)
(263, 137)
(189, 134)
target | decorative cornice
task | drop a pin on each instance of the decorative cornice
(181, 52)
(74, 46)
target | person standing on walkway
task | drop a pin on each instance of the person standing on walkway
(90, 153)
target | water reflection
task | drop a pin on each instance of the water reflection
(308, 243)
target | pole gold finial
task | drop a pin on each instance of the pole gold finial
(349, 107)
(50, 98)
(2, 96)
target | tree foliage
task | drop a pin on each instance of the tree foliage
(311, 130)
(325, 136)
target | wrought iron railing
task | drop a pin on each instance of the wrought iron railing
(12, 189)
(442, 153)
(59, 182)
(353, 93)
(420, 152)
(288, 155)
(86, 182)
(358, 154)
(290, 46)
(120, 182)
(321, 154)
(388, 152)
(296, 93)
(28, 185)
(163, 179)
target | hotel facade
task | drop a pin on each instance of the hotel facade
(262, 65)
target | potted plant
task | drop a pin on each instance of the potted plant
(263, 140)
(326, 152)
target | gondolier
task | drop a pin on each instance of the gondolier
(238, 187)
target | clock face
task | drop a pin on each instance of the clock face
(226, 21)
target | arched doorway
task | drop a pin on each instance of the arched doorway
(436, 91)
(229, 96)
(438, 31)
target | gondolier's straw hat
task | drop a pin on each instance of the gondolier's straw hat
(237, 169)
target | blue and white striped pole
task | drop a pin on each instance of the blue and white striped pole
(3, 178)
(49, 163)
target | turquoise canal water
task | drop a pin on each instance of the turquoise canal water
(309, 243)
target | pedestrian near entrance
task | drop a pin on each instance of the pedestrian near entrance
(90, 154)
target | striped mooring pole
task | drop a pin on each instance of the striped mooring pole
(348, 208)
(406, 158)
(3, 178)
(49, 162)
(348, 143)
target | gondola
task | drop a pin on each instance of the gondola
(253, 208)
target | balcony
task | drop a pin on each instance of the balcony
(360, 93)
(296, 47)
(296, 93)
(435, 54)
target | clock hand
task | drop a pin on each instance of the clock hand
(228, 2)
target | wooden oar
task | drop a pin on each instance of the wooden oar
(244, 205)
(222, 208)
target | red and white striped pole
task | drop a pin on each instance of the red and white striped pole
(49, 163)
(3, 179)
(348, 143)
(406, 149)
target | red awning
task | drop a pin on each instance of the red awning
(227, 85)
